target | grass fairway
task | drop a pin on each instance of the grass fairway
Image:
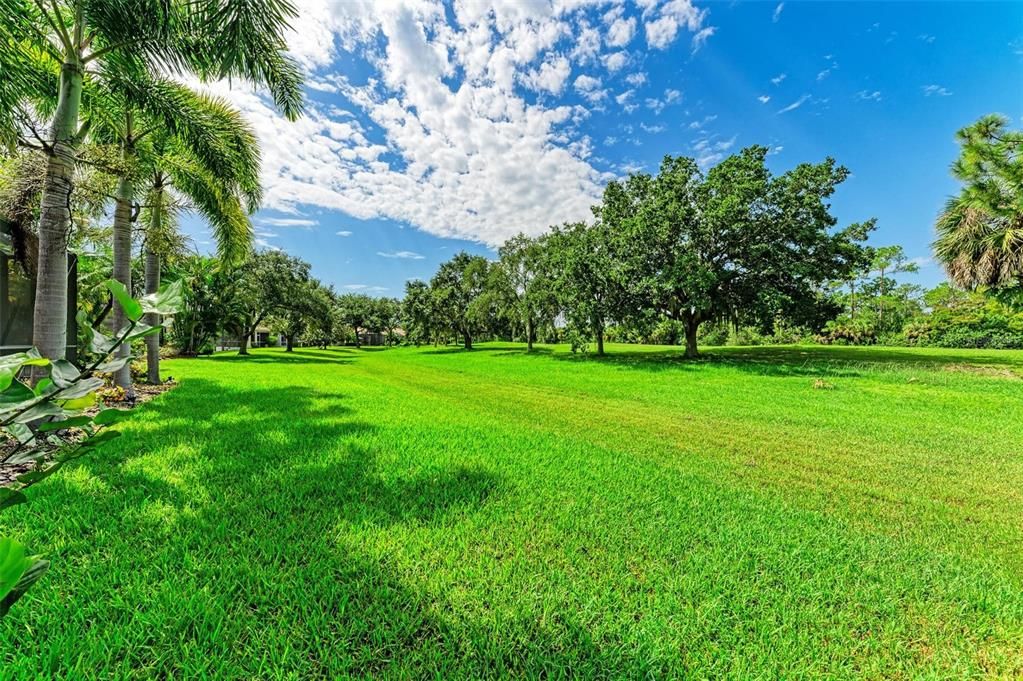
(418, 513)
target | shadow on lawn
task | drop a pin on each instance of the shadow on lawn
(261, 494)
(836, 361)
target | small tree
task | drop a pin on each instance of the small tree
(522, 284)
(356, 311)
(417, 312)
(457, 295)
(271, 281)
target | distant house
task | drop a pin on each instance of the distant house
(262, 338)
(17, 300)
(380, 338)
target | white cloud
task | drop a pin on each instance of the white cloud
(636, 79)
(670, 17)
(620, 33)
(779, 78)
(827, 72)
(696, 125)
(777, 12)
(671, 96)
(589, 88)
(437, 131)
(287, 222)
(926, 38)
(865, 94)
(652, 129)
(701, 37)
(551, 75)
(615, 61)
(365, 288)
(795, 105)
(343, 232)
(936, 90)
(402, 255)
(764, 99)
(710, 150)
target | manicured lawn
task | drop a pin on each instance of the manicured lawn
(415, 513)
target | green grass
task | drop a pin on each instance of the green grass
(435, 513)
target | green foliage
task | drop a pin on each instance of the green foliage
(457, 292)
(980, 232)
(422, 514)
(960, 319)
(29, 414)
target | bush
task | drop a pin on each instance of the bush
(847, 333)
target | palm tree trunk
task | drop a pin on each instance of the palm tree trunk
(49, 322)
(122, 272)
(152, 342)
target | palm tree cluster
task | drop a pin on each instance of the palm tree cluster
(102, 84)
(980, 232)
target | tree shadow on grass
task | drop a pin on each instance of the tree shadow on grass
(229, 532)
(833, 361)
(332, 356)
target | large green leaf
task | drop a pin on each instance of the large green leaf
(167, 301)
(71, 422)
(13, 564)
(100, 343)
(114, 364)
(39, 411)
(63, 373)
(20, 431)
(132, 308)
(109, 417)
(36, 569)
(10, 497)
(81, 389)
(15, 396)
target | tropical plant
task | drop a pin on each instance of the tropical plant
(74, 45)
(31, 416)
(980, 231)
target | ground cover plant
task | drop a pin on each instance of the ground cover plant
(781, 511)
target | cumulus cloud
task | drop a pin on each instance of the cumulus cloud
(439, 129)
(779, 78)
(936, 90)
(868, 95)
(764, 99)
(666, 19)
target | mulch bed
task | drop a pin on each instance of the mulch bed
(71, 436)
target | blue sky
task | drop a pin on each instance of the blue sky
(433, 127)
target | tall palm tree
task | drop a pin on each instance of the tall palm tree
(221, 185)
(980, 232)
(163, 130)
(213, 40)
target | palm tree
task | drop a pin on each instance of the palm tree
(168, 134)
(220, 184)
(90, 39)
(980, 232)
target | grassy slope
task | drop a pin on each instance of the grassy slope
(412, 512)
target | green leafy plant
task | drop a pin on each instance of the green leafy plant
(30, 416)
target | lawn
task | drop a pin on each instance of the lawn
(410, 513)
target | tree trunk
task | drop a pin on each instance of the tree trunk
(467, 340)
(691, 325)
(529, 333)
(600, 339)
(243, 344)
(358, 344)
(290, 342)
(122, 272)
(153, 341)
(49, 322)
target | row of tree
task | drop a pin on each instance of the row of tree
(734, 243)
